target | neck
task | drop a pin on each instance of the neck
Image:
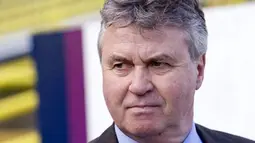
(172, 134)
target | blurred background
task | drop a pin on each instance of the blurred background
(30, 110)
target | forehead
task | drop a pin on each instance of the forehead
(141, 34)
(167, 40)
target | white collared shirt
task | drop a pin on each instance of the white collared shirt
(191, 138)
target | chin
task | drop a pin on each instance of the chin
(144, 128)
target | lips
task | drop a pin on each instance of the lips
(143, 105)
(144, 111)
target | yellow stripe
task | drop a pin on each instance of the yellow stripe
(42, 13)
(30, 137)
(19, 74)
(222, 2)
(17, 105)
(16, 62)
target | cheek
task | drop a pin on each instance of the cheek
(111, 90)
(177, 90)
(115, 90)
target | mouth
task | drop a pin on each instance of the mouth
(143, 108)
(144, 112)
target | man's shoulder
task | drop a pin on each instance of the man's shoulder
(207, 136)
(108, 136)
(214, 136)
(94, 140)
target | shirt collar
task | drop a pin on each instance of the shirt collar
(122, 138)
(191, 138)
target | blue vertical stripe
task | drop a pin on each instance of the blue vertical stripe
(48, 52)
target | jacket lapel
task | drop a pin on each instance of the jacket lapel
(108, 136)
(206, 135)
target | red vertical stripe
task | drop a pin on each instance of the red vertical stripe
(75, 87)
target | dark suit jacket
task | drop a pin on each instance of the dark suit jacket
(206, 135)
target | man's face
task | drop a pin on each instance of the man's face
(149, 80)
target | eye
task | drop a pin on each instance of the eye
(159, 67)
(156, 64)
(122, 68)
(159, 64)
(118, 65)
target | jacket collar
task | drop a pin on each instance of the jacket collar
(109, 136)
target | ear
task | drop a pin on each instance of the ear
(200, 67)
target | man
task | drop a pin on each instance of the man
(152, 54)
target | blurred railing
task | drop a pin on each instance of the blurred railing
(17, 98)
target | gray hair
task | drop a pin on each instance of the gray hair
(150, 14)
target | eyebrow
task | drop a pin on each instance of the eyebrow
(156, 57)
(161, 57)
(117, 58)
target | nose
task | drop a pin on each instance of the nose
(141, 82)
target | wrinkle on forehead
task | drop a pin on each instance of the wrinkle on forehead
(136, 35)
(143, 45)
